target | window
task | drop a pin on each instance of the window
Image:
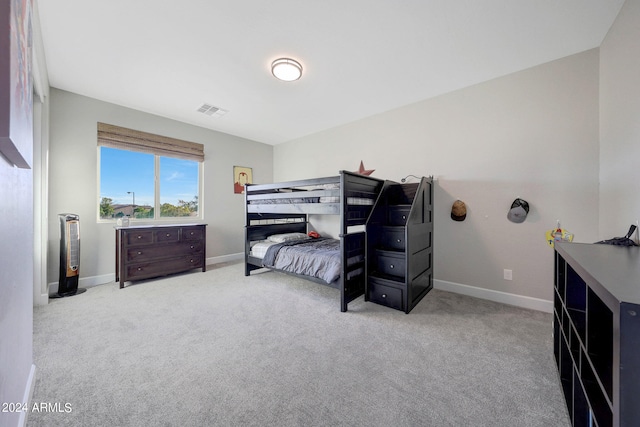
(147, 176)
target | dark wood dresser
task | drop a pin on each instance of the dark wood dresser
(147, 251)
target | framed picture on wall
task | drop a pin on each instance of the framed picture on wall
(16, 128)
(241, 176)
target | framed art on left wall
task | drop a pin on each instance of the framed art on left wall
(16, 92)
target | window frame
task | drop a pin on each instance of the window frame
(157, 191)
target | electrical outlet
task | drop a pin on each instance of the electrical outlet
(508, 274)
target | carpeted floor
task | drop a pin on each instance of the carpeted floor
(221, 349)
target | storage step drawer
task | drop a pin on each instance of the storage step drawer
(397, 215)
(381, 292)
(391, 263)
(393, 238)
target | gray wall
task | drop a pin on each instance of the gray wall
(73, 179)
(620, 123)
(532, 134)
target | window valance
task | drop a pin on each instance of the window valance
(135, 140)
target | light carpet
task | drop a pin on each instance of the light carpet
(222, 349)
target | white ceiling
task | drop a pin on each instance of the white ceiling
(360, 57)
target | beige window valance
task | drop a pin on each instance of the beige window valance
(135, 140)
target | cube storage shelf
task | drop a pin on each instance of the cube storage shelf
(596, 331)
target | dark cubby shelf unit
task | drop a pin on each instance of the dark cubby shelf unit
(596, 329)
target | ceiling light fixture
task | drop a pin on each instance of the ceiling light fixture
(286, 69)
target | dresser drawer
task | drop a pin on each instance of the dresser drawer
(393, 238)
(391, 263)
(167, 234)
(381, 293)
(160, 268)
(397, 215)
(138, 237)
(138, 254)
(192, 233)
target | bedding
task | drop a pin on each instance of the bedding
(287, 237)
(319, 258)
(259, 249)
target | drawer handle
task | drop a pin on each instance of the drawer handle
(168, 234)
(404, 217)
(390, 265)
(399, 240)
(139, 268)
(139, 253)
(191, 261)
(384, 295)
(139, 236)
(192, 246)
(192, 233)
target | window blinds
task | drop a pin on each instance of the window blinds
(134, 140)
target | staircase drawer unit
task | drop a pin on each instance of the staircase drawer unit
(399, 270)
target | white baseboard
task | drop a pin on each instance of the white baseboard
(88, 282)
(28, 396)
(225, 258)
(497, 296)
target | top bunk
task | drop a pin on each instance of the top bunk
(343, 195)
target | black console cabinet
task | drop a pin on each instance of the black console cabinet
(597, 332)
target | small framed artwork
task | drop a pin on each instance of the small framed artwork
(241, 176)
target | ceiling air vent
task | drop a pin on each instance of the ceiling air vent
(210, 110)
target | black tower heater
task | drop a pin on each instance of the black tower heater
(69, 256)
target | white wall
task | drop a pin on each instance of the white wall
(620, 123)
(16, 245)
(532, 134)
(73, 178)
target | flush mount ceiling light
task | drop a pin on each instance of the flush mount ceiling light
(286, 69)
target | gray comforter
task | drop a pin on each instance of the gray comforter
(319, 258)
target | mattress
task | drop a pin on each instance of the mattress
(259, 249)
(327, 199)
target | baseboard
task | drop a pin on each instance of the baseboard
(497, 296)
(88, 282)
(225, 258)
(28, 396)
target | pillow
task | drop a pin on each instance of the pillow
(329, 186)
(287, 237)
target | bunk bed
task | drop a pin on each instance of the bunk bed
(280, 209)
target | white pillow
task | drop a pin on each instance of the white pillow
(287, 237)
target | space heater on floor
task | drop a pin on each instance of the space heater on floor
(69, 256)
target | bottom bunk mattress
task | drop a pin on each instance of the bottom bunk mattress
(317, 258)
